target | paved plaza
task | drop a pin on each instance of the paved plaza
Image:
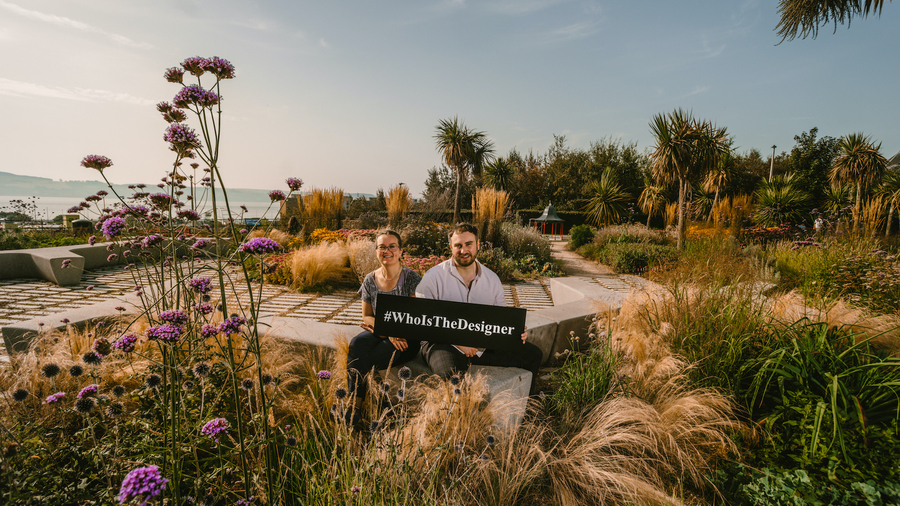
(29, 299)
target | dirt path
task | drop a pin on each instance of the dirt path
(574, 264)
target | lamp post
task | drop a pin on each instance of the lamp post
(772, 163)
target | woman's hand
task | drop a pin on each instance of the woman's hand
(366, 326)
(399, 343)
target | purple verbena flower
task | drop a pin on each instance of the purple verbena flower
(201, 243)
(259, 245)
(203, 308)
(208, 330)
(66, 263)
(54, 397)
(151, 240)
(215, 428)
(103, 193)
(142, 484)
(102, 346)
(195, 65)
(92, 240)
(189, 214)
(181, 137)
(126, 342)
(276, 195)
(97, 162)
(112, 257)
(323, 375)
(113, 226)
(161, 200)
(294, 183)
(75, 209)
(220, 67)
(200, 285)
(167, 332)
(88, 391)
(232, 325)
(174, 75)
(175, 316)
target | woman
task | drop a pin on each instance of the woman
(368, 351)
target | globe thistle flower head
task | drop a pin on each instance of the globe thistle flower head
(196, 65)
(153, 381)
(20, 395)
(175, 316)
(385, 387)
(54, 398)
(76, 371)
(49, 370)
(455, 380)
(96, 162)
(142, 484)
(188, 385)
(405, 373)
(457, 392)
(259, 246)
(115, 410)
(247, 384)
(267, 380)
(340, 394)
(294, 183)
(91, 358)
(85, 405)
(290, 441)
(118, 390)
(202, 369)
(276, 195)
(174, 75)
(215, 428)
(102, 346)
(490, 440)
(401, 394)
(323, 375)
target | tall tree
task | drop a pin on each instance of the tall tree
(717, 178)
(802, 18)
(684, 147)
(498, 174)
(652, 200)
(607, 199)
(859, 160)
(462, 149)
(890, 190)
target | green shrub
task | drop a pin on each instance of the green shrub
(426, 239)
(496, 260)
(583, 381)
(743, 486)
(580, 235)
(520, 242)
(828, 402)
(630, 257)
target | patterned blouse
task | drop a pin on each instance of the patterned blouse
(406, 286)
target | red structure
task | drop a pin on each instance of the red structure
(549, 223)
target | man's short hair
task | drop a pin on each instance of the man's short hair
(462, 228)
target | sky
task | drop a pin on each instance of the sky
(348, 94)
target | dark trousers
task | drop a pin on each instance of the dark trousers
(444, 359)
(368, 351)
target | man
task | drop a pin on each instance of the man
(464, 279)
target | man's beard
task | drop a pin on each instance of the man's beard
(468, 262)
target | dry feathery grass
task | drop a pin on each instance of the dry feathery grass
(322, 263)
(874, 215)
(671, 214)
(362, 257)
(733, 211)
(279, 236)
(323, 208)
(490, 207)
(398, 204)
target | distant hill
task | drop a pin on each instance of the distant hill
(26, 186)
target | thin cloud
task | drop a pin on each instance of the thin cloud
(697, 90)
(13, 88)
(70, 23)
(516, 7)
(571, 32)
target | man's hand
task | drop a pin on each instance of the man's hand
(467, 351)
(399, 343)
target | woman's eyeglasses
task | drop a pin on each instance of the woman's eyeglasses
(392, 247)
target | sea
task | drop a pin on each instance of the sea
(48, 207)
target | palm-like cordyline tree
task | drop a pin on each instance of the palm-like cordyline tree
(802, 18)
(859, 161)
(890, 190)
(652, 200)
(607, 201)
(716, 180)
(462, 149)
(499, 174)
(684, 146)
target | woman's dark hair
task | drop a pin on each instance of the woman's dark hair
(388, 231)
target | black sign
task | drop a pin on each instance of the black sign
(441, 321)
